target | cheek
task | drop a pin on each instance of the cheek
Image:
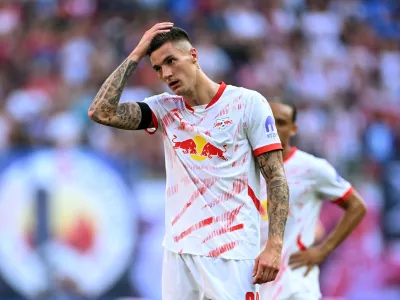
(188, 71)
(283, 132)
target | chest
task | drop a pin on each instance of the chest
(302, 185)
(206, 133)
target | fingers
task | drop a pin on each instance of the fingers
(274, 275)
(255, 268)
(160, 28)
(295, 257)
(271, 274)
(163, 26)
(264, 273)
(298, 265)
(260, 270)
(298, 260)
(309, 268)
(142, 47)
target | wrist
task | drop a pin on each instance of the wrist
(326, 248)
(274, 242)
(135, 56)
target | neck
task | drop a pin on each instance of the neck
(203, 91)
(287, 148)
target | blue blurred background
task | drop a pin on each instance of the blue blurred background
(81, 205)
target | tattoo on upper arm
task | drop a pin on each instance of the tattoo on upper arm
(129, 115)
(272, 169)
(105, 108)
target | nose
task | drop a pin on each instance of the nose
(166, 72)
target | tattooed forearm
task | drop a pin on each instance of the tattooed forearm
(271, 167)
(105, 108)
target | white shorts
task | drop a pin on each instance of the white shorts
(193, 277)
(266, 294)
(304, 296)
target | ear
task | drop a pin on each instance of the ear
(193, 54)
(293, 130)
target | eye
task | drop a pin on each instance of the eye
(280, 122)
(157, 69)
(170, 61)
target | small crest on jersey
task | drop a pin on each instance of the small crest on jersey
(222, 123)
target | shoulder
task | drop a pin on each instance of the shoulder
(317, 166)
(251, 99)
(164, 99)
(306, 157)
(245, 92)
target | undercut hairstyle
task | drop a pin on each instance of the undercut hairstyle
(288, 103)
(175, 34)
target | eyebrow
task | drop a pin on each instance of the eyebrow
(155, 67)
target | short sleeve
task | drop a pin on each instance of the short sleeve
(331, 186)
(154, 102)
(260, 125)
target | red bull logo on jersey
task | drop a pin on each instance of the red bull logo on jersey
(222, 124)
(187, 146)
(199, 148)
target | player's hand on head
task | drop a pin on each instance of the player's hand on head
(267, 265)
(141, 49)
(309, 258)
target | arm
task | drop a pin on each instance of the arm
(106, 109)
(354, 211)
(271, 167)
(319, 233)
(269, 261)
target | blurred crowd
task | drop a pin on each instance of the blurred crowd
(338, 60)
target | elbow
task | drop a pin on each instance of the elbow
(363, 209)
(90, 114)
(93, 115)
(355, 205)
(359, 208)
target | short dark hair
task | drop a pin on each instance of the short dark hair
(174, 35)
(287, 102)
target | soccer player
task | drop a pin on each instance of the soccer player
(311, 180)
(214, 137)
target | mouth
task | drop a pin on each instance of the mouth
(173, 84)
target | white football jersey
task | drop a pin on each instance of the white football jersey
(213, 182)
(311, 180)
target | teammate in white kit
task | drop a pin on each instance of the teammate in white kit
(214, 136)
(311, 180)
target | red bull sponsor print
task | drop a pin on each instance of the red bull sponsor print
(199, 148)
(187, 146)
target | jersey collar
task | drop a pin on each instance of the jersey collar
(217, 96)
(290, 155)
(221, 89)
